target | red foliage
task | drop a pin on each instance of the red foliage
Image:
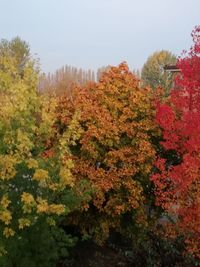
(178, 185)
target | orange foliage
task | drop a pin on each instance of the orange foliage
(114, 152)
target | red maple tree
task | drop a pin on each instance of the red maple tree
(177, 181)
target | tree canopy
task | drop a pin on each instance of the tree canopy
(153, 74)
(177, 178)
(113, 156)
(18, 50)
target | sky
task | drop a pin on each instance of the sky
(93, 33)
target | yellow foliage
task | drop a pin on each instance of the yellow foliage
(42, 205)
(7, 167)
(57, 209)
(23, 222)
(28, 202)
(34, 170)
(66, 177)
(40, 175)
(24, 144)
(5, 202)
(5, 216)
(8, 232)
(32, 163)
(27, 198)
(48, 108)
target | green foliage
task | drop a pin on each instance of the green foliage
(153, 74)
(18, 50)
(38, 246)
(156, 251)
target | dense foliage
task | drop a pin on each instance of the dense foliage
(112, 160)
(32, 185)
(177, 180)
(114, 152)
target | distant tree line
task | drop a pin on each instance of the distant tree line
(63, 79)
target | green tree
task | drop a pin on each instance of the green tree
(153, 74)
(18, 50)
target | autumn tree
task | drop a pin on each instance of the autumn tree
(153, 73)
(34, 178)
(177, 178)
(114, 154)
(101, 70)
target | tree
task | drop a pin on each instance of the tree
(101, 70)
(153, 74)
(114, 153)
(177, 180)
(34, 179)
(16, 49)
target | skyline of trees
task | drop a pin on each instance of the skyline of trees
(65, 78)
(116, 158)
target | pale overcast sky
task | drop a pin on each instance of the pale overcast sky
(93, 33)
